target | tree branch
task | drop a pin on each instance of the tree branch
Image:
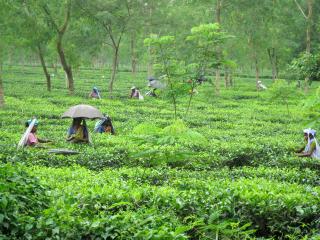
(47, 12)
(67, 18)
(121, 33)
(105, 25)
(300, 8)
(109, 31)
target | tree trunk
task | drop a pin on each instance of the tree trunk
(44, 67)
(133, 54)
(66, 80)
(226, 78)
(308, 38)
(273, 61)
(218, 20)
(230, 79)
(256, 69)
(309, 25)
(60, 33)
(114, 70)
(1, 88)
(217, 85)
(254, 59)
(55, 67)
(149, 65)
(67, 69)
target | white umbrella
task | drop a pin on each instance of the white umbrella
(156, 84)
(82, 111)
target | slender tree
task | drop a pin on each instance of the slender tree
(3, 43)
(1, 87)
(60, 31)
(307, 15)
(272, 49)
(37, 40)
(133, 29)
(218, 8)
(113, 18)
(44, 67)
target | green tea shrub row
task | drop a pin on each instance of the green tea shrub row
(22, 199)
(271, 207)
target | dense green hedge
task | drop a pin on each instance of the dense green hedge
(84, 202)
(22, 200)
(226, 170)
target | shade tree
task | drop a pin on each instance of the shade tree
(57, 16)
(112, 17)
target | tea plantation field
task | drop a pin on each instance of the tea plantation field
(226, 170)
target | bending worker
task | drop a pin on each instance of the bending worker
(135, 93)
(95, 93)
(78, 132)
(33, 140)
(104, 126)
(261, 86)
(312, 148)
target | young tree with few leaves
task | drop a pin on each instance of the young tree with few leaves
(204, 40)
(164, 55)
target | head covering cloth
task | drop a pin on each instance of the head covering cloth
(105, 120)
(316, 152)
(28, 122)
(96, 91)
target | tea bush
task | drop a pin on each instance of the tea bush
(22, 199)
(226, 170)
(84, 199)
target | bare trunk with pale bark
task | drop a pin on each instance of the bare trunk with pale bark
(149, 64)
(309, 26)
(114, 70)
(308, 18)
(1, 88)
(256, 66)
(231, 82)
(218, 20)
(226, 78)
(67, 69)
(308, 38)
(44, 68)
(274, 62)
(217, 83)
(133, 54)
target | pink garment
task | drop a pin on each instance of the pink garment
(32, 139)
(94, 95)
(136, 94)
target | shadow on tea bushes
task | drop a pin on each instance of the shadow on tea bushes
(89, 157)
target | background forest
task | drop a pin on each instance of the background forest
(265, 37)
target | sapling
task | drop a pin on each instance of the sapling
(204, 40)
(163, 50)
(282, 91)
(306, 66)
